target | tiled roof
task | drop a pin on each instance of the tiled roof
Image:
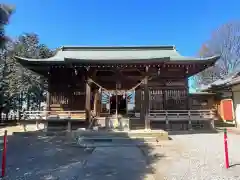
(120, 53)
(232, 79)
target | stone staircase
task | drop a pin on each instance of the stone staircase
(118, 138)
(135, 123)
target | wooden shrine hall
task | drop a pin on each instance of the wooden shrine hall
(141, 83)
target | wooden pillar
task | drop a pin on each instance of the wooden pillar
(126, 98)
(146, 103)
(88, 100)
(163, 99)
(142, 107)
(116, 93)
(48, 92)
(48, 101)
(138, 100)
(99, 103)
(188, 106)
(96, 103)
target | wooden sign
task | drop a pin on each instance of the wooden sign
(175, 83)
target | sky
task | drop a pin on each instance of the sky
(187, 24)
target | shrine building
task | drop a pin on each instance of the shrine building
(144, 84)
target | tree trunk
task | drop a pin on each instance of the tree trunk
(7, 116)
(20, 106)
(39, 105)
(1, 119)
(28, 101)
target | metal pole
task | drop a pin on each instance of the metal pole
(226, 149)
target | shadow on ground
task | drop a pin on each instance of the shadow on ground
(35, 155)
(209, 131)
(8, 123)
(233, 165)
(221, 124)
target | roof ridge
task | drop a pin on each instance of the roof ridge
(159, 47)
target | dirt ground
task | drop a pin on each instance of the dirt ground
(192, 156)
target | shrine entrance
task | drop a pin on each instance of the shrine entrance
(118, 104)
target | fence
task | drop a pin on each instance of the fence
(44, 115)
(176, 115)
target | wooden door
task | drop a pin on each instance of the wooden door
(227, 109)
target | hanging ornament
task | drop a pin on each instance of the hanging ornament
(124, 95)
(75, 71)
(158, 71)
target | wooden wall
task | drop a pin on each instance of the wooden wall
(171, 94)
(66, 90)
(201, 101)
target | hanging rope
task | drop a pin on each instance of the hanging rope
(133, 88)
(97, 84)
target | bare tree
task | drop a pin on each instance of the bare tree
(225, 41)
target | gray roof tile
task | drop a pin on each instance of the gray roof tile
(133, 53)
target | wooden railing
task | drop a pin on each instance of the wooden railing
(154, 115)
(175, 115)
(45, 115)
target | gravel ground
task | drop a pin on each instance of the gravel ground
(53, 158)
(38, 157)
(198, 157)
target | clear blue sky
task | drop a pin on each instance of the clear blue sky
(183, 23)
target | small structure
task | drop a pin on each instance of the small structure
(228, 97)
(143, 84)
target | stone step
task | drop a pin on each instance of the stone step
(123, 144)
(117, 141)
(159, 134)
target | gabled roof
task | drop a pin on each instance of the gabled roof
(120, 54)
(228, 81)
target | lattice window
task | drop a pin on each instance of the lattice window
(156, 100)
(59, 98)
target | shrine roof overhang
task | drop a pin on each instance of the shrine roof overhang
(139, 55)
